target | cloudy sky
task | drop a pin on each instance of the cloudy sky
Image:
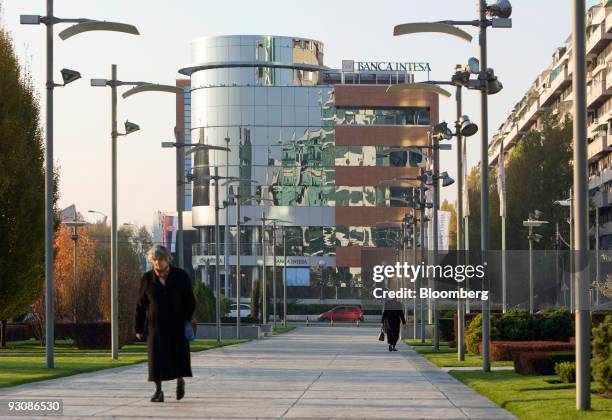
(355, 29)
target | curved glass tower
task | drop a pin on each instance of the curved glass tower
(312, 147)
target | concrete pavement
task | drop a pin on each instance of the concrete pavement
(331, 372)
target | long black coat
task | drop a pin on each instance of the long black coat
(392, 315)
(166, 307)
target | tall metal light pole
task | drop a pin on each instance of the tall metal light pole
(82, 25)
(238, 197)
(580, 184)
(75, 224)
(113, 83)
(435, 237)
(180, 187)
(264, 284)
(460, 303)
(226, 248)
(423, 253)
(531, 223)
(284, 278)
(501, 12)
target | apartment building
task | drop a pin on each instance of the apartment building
(552, 90)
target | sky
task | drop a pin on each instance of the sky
(355, 29)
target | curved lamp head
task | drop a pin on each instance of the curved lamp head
(69, 76)
(473, 65)
(446, 179)
(414, 28)
(130, 127)
(442, 132)
(97, 25)
(419, 86)
(501, 9)
(151, 87)
(466, 127)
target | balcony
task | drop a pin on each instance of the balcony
(597, 92)
(598, 147)
(608, 76)
(559, 80)
(529, 117)
(597, 40)
(602, 199)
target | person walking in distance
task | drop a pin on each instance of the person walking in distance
(392, 315)
(166, 301)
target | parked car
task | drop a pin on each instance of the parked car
(343, 313)
(245, 310)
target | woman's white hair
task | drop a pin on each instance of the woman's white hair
(159, 252)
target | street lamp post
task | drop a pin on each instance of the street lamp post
(487, 83)
(113, 83)
(264, 285)
(180, 185)
(265, 219)
(82, 25)
(75, 224)
(238, 197)
(580, 209)
(531, 223)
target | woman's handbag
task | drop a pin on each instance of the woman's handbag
(189, 335)
(381, 336)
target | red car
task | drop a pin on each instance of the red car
(343, 313)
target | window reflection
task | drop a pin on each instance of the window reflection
(380, 116)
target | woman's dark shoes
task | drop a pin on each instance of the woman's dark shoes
(394, 349)
(390, 348)
(180, 388)
(158, 396)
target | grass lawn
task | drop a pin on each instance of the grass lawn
(447, 357)
(531, 397)
(282, 330)
(20, 369)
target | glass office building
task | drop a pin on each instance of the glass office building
(310, 146)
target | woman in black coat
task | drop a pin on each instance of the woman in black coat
(166, 300)
(391, 317)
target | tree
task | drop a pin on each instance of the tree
(538, 172)
(22, 188)
(205, 303)
(256, 301)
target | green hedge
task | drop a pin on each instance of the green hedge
(447, 330)
(602, 354)
(549, 325)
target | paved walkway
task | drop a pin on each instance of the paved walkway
(339, 372)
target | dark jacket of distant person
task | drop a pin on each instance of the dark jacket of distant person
(392, 315)
(166, 307)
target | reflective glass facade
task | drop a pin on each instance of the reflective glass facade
(272, 103)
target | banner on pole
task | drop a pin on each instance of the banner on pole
(501, 181)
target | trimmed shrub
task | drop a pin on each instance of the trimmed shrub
(562, 356)
(92, 335)
(205, 303)
(539, 362)
(503, 350)
(555, 325)
(602, 354)
(473, 335)
(19, 331)
(532, 363)
(566, 371)
(446, 329)
(517, 326)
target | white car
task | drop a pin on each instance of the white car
(245, 310)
